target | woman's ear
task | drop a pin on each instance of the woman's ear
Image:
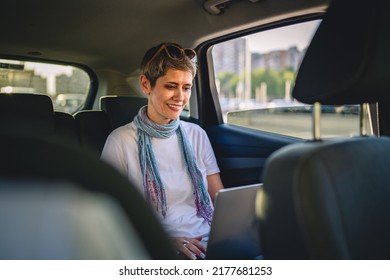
(145, 84)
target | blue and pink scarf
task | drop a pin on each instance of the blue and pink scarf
(153, 186)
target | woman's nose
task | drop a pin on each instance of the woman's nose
(179, 95)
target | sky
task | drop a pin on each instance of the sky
(282, 38)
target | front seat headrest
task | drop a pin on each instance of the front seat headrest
(348, 59)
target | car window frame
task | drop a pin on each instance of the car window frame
(92, 93)
(208, 107)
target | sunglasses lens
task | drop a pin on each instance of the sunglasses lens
(190, 53)
(174, 51)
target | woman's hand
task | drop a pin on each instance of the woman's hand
(190, 247)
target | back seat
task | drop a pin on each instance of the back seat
(94, 126)
(33, 114)
(121, 109)
(66, 126)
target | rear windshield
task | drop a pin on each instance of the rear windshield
(67, 86)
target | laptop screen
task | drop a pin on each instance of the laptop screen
(234, 230)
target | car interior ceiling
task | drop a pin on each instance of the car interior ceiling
(110, 44)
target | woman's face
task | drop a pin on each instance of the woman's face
(167, 98)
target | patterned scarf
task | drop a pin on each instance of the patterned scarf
(153, 186)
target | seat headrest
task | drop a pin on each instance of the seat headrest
(26, 113)
(348, 59)
(121, 109)
(30, 233)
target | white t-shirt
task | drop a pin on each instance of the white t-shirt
(121, 151)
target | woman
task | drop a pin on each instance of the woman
(171, 161)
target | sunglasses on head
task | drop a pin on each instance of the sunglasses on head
(173, 52)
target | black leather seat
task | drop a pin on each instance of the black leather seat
(66, 126)
(33, 114)
(94, 126)
(329, 199)
(121, 109)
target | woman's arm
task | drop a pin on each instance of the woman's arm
(214, 184)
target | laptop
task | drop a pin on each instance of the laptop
(234, 232)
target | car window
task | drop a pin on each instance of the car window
(67, 86)
(254, 78)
